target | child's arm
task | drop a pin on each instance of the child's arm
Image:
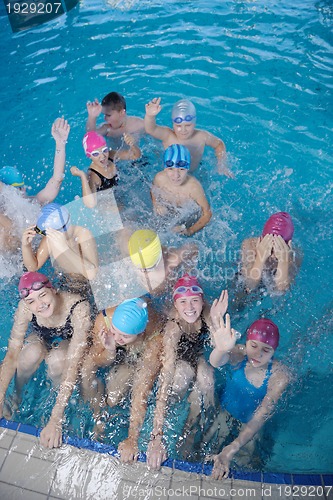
(220, 153)
(33, 261)
(88, 194)
(159, 208)
(142, 386)
(277, 384)
(283, 253)
(254, 259)
(198, 195)
(60, 130)
(133, 153)
(94, 110)
(152, 109)
(51, 435)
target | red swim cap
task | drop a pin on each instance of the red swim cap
(280, 224)
(28, 279)
(91, 141)
(187, 286)
(264, 330)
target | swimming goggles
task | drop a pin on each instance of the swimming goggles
(39, 231)
(184, 289)
(177, 164)
(37, 285)
(187, 118)
(96, 153)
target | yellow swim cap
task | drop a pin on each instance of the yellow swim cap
(145, 249)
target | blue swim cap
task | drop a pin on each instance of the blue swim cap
(11, 176)
(131, 316)
(55, 216)
(177, 156)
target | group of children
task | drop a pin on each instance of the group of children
(138, 342)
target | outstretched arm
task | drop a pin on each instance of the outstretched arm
(60, 130)
(33, 261)
(94, 110)
(152, 109)
(51, 435)
(254, 257)
(15, 343)
(283, 253)
(88, 191)
(144, 380)
(156, 453)
(220, 153)
(198, 195)
(277, 384)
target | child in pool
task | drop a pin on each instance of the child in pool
(256, 384)
(73, 248)
(155, 265)
(128, 341)
(60, 323)
(113, 107)
(11, 176)
(185, 133)
(271, 254)
(102, 173)
(174, 186)
(184, 338)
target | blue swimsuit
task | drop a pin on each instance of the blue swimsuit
(240, 398)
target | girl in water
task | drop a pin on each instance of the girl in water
(185, 336)
(254, 385)
(60, 322)
(102, 173)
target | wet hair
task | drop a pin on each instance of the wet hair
(114, 101)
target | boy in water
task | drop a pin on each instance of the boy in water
(117, 122)
(185, 133)
(174, 186)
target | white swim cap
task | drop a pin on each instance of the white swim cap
(183, 110)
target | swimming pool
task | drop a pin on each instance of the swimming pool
(260, 76)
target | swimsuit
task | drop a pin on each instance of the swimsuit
(53, 336)
(191, 345)
(241, 398)
(105, 182)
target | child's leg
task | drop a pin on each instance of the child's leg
(57, 362)
(203, 389)
(118, 383)
(184, 374)
(31, 356)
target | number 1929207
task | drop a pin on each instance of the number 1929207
(34, 8)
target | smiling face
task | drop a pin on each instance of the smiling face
(102, 158)
(42, 302)
(184, 130)
(176, 175)
(122, 338)
(258, 353)
(115, 119)
(189, 308)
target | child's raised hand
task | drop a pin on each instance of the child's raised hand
(281, 249)
(60, 130)
(28, 235)
(107, 339)
(153, 107)
(224, 336)
(94, 108)
(219, 308)
(76, 172)
(264, 247)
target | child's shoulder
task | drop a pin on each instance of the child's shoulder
(134, 124)
(159, 178)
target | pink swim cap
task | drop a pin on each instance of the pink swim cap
(187, 286)
(280, 224)
(91, 141)
(264, 330)
(28, 279)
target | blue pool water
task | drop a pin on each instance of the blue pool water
(260, 75)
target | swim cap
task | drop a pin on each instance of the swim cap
(145, 249)
(177, 156)
(184, 110)
(28, 279)
(53, 216)
(131, 316)
(91, 141)
(11, 176)
(187, 286)
(280, 224)
(264, 330)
